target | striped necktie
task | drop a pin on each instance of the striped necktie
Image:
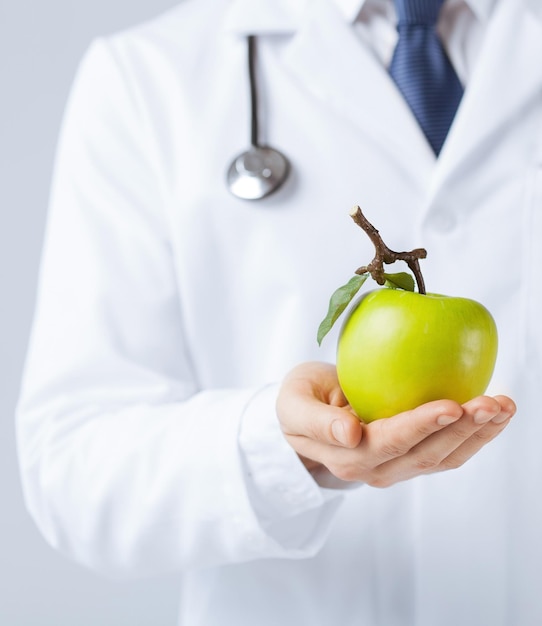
(422, 71)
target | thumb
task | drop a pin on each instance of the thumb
(307, 416)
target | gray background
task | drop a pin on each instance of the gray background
(41, 42)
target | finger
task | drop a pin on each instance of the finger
(473, 444)
(482, 409)
(394, 437)
(482, 420)
(494, 421)
(444, 447)
(429, 453)
(508, 408)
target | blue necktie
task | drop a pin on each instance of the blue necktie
(422, 71)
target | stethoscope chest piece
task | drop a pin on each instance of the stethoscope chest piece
(256, 173)
(260, 170)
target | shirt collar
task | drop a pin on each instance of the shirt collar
(481, 8)
(351, 8)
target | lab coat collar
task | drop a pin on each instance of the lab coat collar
(279, 16)
(312, 55)
(333, 74)
(286, 16)
(374, 105)
(495, 79)
(258, 17)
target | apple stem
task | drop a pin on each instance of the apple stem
(384, 255)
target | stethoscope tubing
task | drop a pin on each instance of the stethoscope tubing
(253, 87)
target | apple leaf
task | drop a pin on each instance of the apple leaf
(339, 301)
(402, 280)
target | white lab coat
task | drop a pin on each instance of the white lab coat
(169, 311)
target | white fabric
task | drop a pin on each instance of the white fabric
(169, 311)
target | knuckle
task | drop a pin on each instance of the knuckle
(425, 463)
(452, 462)
(317, 433)
(363, 460)
(392, 449)
(391, 444)
(379, 481)
(422, 431)
(347, 473)
(484, 435)
(460, 434)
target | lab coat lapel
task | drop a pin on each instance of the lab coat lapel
(496, 92)
(332, 62)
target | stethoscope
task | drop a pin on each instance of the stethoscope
(260, 170)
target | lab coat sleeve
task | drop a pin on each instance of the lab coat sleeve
(127, 465)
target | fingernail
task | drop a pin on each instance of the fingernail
(501, 417)
(337, 428)
(446, 420)
(481, 416)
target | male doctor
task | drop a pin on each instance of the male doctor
(177, 413)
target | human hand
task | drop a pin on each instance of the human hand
(320, 426)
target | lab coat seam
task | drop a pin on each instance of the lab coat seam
(533, 224)
(532, 193)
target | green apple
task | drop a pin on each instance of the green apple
(399, 349)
